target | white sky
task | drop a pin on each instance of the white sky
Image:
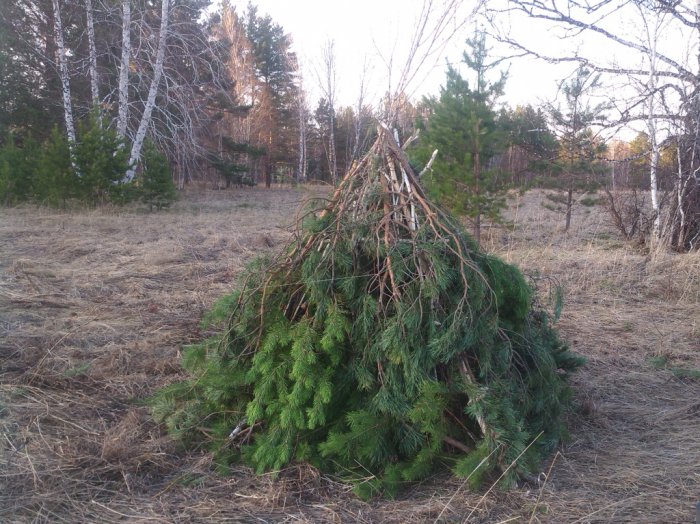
(372, 31)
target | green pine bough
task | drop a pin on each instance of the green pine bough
(381, 346)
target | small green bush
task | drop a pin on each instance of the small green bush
(156, 184)
(101, 161)
(94, 173)
(18, 163)
(55, 179)
(589, 201)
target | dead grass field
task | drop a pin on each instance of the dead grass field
(95, 305)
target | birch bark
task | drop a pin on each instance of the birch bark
(328, 86)
(652, 37)
(152, 92)
(94, 90)
(301, 173)
(63, 73)
(124, 70)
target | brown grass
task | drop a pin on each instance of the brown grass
(95, 306)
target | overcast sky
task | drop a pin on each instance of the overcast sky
(371, 32)
(368, 33)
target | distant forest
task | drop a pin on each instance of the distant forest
(221, 96)
(93, 92)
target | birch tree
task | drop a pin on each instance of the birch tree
(327, 77)
(302, 112)
(92, 50)
(667, 69)
(123, 89)
(152, 92)
(63, 73)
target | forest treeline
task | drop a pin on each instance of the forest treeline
(92, 92)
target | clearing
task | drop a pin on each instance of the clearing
(95, 305)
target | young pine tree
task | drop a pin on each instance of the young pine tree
(579, 147)
(101, 162)
(18, 166)
(462, 126)
(56, 180)
(157, 188)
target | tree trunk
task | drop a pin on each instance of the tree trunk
(63, 73)
(653, 142)
(301, 171)
(569, 206)
(268, 174)
(94, 91)
(50, 52)
(152, 92)
(331, 149)
(124, 69)
(680, 188)
(653, 184)
(477, 183)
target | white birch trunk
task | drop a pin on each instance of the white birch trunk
(680, 188)
(328, 86)
(94, 90)
(301, 176)
(63, 73)
(124, 70)
(653, 181)
(651, 125)
(152, 92)
(331, 148)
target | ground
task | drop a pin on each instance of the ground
(96, 305)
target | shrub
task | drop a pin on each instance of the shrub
(56, 181)
(101, 160)
(156, 184)
(18, 165)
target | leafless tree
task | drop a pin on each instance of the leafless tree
(437, 24)
(302, 112)
(123, 108)
(152, 91)
(327, 79)
(666, 78)
(63, 73)
(359, 145)
(92, 50)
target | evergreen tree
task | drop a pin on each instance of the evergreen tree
(18, 166)
(56, 180)
(29, 99)
(462, 126)
(101, 161)
(276, 93)
(324, 118)
(580, 150)
(156, 184)
(531, 147)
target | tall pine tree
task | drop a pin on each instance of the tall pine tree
(275, 94)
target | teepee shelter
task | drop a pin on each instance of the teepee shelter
(381, 345)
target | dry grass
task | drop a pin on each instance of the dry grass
(94, 307)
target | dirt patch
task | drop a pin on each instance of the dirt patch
(95, 307)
